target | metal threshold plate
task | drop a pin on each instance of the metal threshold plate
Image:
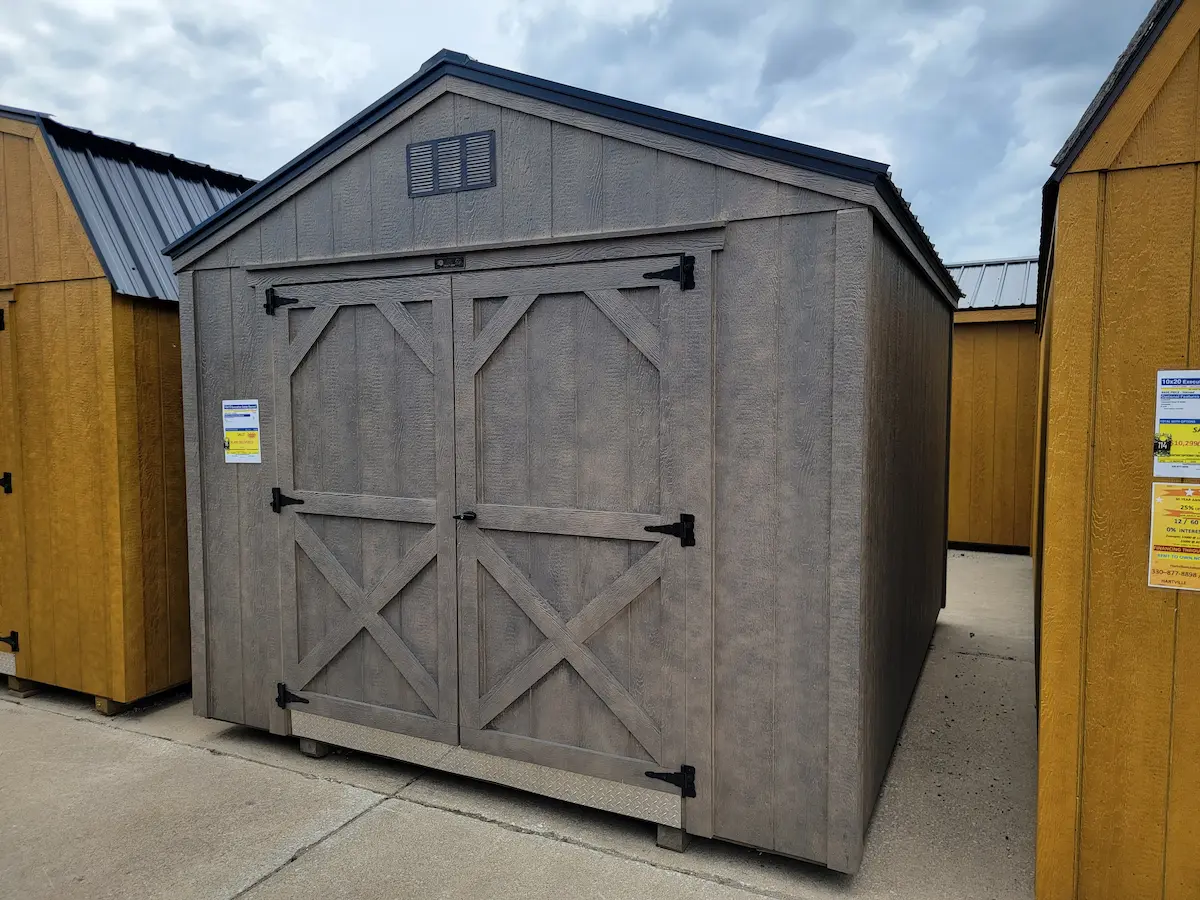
(8, 663)
(650, 805)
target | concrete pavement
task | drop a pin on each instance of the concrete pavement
(156, 803)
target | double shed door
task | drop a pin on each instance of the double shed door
(557, 411)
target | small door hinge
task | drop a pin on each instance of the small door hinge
(12, 641)
(283, 696)
(684, 529)
(274, 301)
(279, 500)
(1, 320)
(684, 779)
(6, 482)
(684, 273)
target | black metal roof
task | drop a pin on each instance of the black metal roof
(1126, 67)
(448, 62)
(132, 201)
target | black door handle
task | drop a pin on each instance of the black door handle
(6, 482)
(468, 516)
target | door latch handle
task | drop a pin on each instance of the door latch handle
(684, 529)
(468, 516)
(6, 482)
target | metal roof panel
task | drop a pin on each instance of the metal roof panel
(134, 201)
(993, 283)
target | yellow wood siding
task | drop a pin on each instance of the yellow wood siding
(92, 546)
(1119, 721)
(992, 433)
(41, 236)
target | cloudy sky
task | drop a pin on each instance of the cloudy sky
(966, 101)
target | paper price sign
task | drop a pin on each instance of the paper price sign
(1175, 537)
(243, 443)
(1177, 425)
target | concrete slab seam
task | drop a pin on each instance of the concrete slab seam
(299, 853)
(606, 851)
(215, 751)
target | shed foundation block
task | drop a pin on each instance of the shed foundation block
(314, 749)
(673, 838)
(22, 687)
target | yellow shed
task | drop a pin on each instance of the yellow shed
(1119, 732)
(93, 557)
(993, 399)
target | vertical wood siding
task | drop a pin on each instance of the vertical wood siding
(991, 433)
(1119, 778)
(904, 497)
(41, 237)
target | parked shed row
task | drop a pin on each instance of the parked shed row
(93, 560)
(607, 449)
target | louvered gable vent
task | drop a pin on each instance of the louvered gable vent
(465, 162)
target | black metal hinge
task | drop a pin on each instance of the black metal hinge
(279, 500)
(684, 779)
(684, 529)
(684, 273)
(283, 696)
(12, 641)
(1, 320)
(274, 301)
(6, 482)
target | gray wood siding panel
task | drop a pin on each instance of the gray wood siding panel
(222, 574)
(278, 234)
(314, 220)
(747, 292)
(627, 172)
(576, 180)
(192, 441)
(846, 825)
(352, 206)
(905, 497)
(480, 213)
(435, 219)
(742, 196)
(686, 190)
(391, 207)
(258, 532)
(802, 468)
(523, 170)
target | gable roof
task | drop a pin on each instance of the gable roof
(459, 65)
(132, 201)
(997, 283)
(1126, 67)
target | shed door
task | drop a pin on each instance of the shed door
(582, 398)
(364, 377)
(13, 595)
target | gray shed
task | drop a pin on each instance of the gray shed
(603, 456)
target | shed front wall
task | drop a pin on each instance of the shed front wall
(775, 284)
(992, 419)
(1119, 721)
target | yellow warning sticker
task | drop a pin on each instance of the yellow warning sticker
(1175, 537)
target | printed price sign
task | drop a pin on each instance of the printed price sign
(1177, 425)
(1175, 537)
(243, 442)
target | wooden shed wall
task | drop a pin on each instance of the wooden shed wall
(1119, 776)
(906, 417)
(94, 466)
(774, 420)
(992, 418)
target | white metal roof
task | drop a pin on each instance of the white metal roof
(996, 283)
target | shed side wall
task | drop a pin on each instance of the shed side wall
(904, 497)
